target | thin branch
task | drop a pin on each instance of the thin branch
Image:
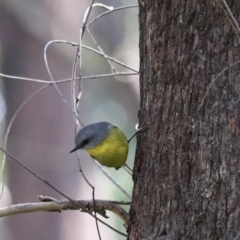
(53, 81)
(8, 131)
(110, 75)
(236, 237)
(75, 100)
(69, 79)
(102, 52)
(49, 205)
(230, 17)
(75, 104)
(78, 58)
(214, 80)
(58, 206)
(111, 11)
(85, 19)
(50, 74)
(110, 58)
(30, 207)
(112, 180)
(35, 174)
(24, 78)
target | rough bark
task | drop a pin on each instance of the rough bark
(189, 159)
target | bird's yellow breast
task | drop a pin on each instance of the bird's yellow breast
(113, 151)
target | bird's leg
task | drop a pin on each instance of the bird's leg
(128, 169)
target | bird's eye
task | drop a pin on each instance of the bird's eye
(85, 142)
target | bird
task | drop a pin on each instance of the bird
(105, 142)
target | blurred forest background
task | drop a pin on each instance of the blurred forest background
(43, 133)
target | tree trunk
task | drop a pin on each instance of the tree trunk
(188, 180)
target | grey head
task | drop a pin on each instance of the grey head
(92, 135)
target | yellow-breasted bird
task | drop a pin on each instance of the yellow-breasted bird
(105, 142)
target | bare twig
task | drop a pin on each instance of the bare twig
(112, 180)
(76, 103)
(110, 75)
(9, 128)
(49, 71)
(110, 58)
(102, 52)
(24, 78)
(230, 17)
(214, 80)
(49, 204)
(111, 11)
(69, 79)
(237, 237)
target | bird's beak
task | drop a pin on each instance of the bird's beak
(73, 150)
